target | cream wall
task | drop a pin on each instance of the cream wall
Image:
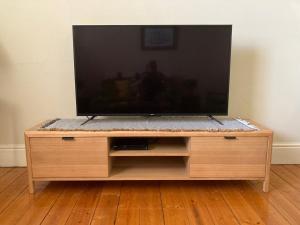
(36, 59)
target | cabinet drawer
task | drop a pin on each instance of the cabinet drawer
(227, 170)
(69, 157)
(228, 157)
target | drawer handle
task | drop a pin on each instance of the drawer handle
(68, 138)
(230, 137)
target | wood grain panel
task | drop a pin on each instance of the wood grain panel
(148, 168)
(227, 170)
(70, 171)
(65, 157)
(78, 143)
(80, 157)
(220, 157)
(220, 150)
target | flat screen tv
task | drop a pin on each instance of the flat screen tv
(152, 69)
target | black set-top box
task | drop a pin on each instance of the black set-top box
(129, 144)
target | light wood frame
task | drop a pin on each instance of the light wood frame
(247, 157)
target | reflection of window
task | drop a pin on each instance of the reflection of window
(162, 37)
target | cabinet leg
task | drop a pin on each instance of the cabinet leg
(266, 185)
(31, 186)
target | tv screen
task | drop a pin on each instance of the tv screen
(144, 70)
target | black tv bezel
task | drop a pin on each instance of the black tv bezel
(152, 114)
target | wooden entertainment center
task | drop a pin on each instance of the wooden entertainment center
(174, 155)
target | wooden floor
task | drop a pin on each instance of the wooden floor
(151, 203)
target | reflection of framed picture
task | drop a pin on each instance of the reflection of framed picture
(158, 37)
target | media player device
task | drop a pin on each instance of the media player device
(129, 144)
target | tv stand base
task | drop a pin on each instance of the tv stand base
(174, 155)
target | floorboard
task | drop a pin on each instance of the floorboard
(295, 169)
(17, 208)
(282, 205)
(10, 176)
(140, 203)
(151, 203)
(207, 196)
(106, 210)
(84, 209)
(61, 210)
(183, 200)
(266, 211)
(4, 170)
(239, 206)
(38, 208)
(286, 189)
(286, 174)
(12, 191)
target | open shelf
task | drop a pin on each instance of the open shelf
(148, 168)
(162, 147)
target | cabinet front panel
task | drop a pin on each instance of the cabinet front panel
(69, 171)
(228, 157)
(69, 157)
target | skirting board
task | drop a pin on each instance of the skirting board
(14, 155)
(286, 153)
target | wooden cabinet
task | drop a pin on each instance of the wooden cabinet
(228, 157)
(175, 155)
(69, 157)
